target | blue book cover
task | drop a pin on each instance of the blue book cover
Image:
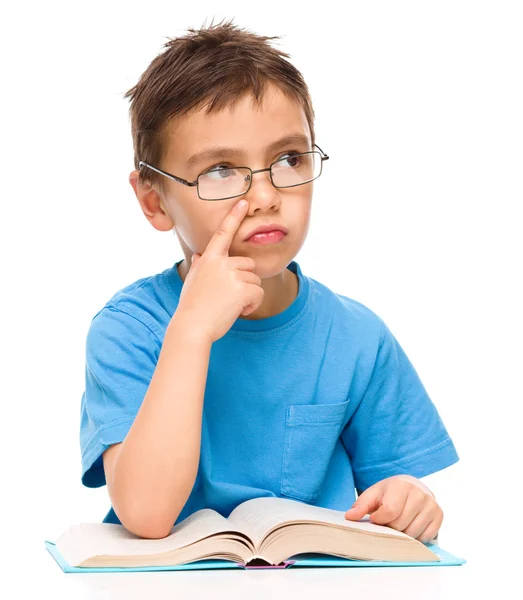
(299, 560)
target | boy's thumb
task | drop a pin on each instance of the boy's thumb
(194, 259)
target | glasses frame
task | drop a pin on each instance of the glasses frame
(323, 157)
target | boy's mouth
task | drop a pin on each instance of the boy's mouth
(266, 229)
(267, 237)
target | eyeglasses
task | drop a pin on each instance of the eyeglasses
(229, 182)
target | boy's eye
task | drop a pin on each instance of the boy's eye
(230, 166)
(218, 166)
(289, 164)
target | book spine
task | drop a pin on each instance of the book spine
(283, 565)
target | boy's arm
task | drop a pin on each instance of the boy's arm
(395, 430)
(150, 474)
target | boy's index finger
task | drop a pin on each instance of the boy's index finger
(222, 238)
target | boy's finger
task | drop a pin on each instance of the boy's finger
(222, 239)
(391, 507)
(366, 503)
(410, 510)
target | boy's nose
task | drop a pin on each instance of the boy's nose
(262, 193)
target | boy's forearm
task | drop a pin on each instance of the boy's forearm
(158, 461)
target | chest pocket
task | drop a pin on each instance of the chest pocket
(311, 432)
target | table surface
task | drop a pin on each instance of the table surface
(481, 576)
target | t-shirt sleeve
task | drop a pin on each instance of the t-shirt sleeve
(121, 356)
(395, 429)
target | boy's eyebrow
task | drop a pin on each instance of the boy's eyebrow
(217, 152)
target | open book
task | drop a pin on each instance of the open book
(260, 531)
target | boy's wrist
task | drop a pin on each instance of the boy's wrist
(184, 326)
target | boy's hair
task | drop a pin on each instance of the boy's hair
(214, 67)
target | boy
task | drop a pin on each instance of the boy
(308, 395)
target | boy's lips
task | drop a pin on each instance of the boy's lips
(267, 229)
(268, 237)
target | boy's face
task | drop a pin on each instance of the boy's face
(251, 130)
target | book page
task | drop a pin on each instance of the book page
(258, 516)
(82, 541)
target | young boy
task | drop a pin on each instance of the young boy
(234, 375)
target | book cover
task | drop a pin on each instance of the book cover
(302, 560)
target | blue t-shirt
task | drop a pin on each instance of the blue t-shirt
(312, 404)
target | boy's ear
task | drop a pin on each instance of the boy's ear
(151, 203)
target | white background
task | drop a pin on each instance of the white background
(416, 215)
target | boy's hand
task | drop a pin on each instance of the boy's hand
(403, 503)
(218, 287)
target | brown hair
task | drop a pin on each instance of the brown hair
(217, 66)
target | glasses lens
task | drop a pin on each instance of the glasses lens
(296, 169)
(223, 183)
